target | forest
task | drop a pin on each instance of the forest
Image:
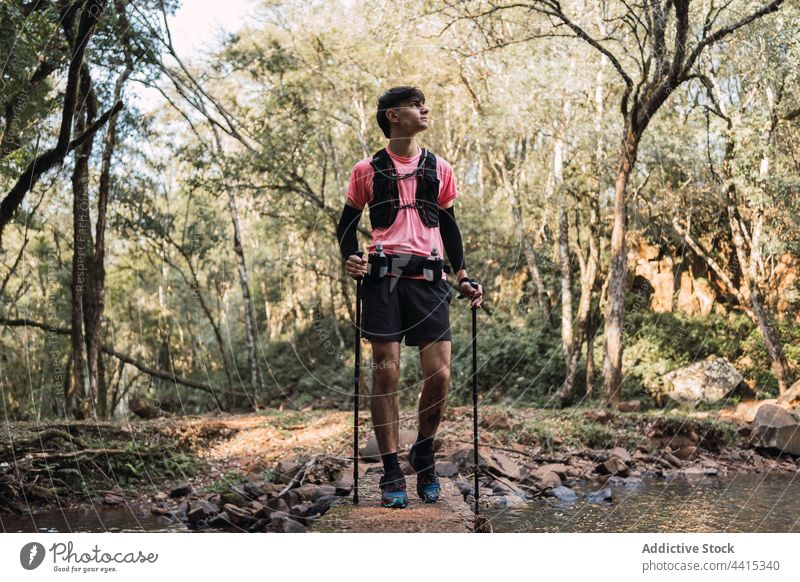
(628, 197)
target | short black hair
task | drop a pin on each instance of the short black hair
(392, 98)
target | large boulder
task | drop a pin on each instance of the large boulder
(791, 398)
(708, 380)
(494, 461)
(774, 427)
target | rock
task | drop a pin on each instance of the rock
(239, 516)
(549, 479)
(307, 491)
(196, 515)
(498, 419)
(300, 511)
(323, 491)
(494, 461)
(509, 487)
(708, 380)
(685, 452)
(371, 452)
(344, 485)
(219, 521)
(234, 498)
(259, 526)
(287, 468)
(276, 504)
(321, 505)
(161, 511)
(632, 482)
(446, 468)
(253, 491)
(775, 428)
(143, 409)
(292, 497)
(282, 523)
(559, 468)
(791, 398)
(500, 489)
(502, 501)
(629, 406)
(599, 416)
(612, 466)
(564, 494)
(622, 454)
(745, 411)
(181, 490)
(601, 496)
(463, 487)
(272, 489)
(113, 498)
(672, 459)
(503, 465)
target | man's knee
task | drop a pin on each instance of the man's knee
(385, 367)
(440, 379)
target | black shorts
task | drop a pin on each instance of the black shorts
(393, 307)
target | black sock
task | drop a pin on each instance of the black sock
(391, 467)
(424, 445)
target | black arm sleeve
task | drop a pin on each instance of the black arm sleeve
(346, 231)
(451, 237)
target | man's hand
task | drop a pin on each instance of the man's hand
(356, 266)
(475, 294)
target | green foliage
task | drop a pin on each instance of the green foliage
(658, 343)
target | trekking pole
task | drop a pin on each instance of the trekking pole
(474, 285)
(356, 385)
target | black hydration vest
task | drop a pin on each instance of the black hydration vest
(385, 202)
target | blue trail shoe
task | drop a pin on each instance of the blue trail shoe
(428, 487)
(393, 493)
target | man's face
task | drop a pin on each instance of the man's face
(411, 116)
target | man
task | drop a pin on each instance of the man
(410, 193)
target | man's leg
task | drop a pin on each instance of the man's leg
(384, 402)
(435, 360)
(386, 419)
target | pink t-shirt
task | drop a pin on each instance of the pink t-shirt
(407, 234)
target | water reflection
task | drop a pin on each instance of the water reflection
(98, 519)
(740, 503)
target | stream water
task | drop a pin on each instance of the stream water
(90, 519)
(737, 503)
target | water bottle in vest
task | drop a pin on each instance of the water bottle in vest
(432, 266)
(378, 263)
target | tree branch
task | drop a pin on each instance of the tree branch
(723, 32)
(156, 373)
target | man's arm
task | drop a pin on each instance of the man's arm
(347, 228)
(454, 247)
(451, 237)
(348, 241)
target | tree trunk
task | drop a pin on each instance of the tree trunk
(256, 379)
(76, 402)
(94, 356)
(567, 346)
(591, 329)
(249, 315)
(530, 258)
(612, 355)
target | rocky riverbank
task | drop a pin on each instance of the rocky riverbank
(283, 471)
